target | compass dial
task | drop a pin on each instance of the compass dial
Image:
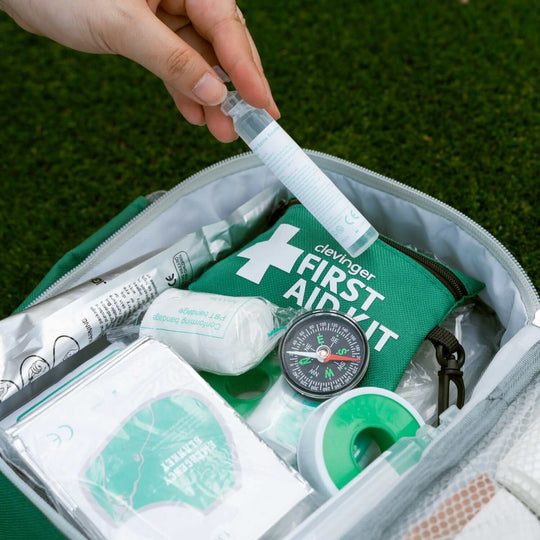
(323, 353)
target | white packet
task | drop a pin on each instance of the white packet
(142, 447)
(279, 418)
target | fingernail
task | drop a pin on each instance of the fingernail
(209, 90)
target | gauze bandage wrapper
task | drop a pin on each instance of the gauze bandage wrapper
(519, 471)
(225, 335)
(142, 447)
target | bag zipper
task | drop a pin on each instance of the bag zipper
(441, 272)
(243, 161)
(449, 351)
(125, 232)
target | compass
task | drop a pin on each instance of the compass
(323, 354)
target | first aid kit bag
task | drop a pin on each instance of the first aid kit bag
(113, 435)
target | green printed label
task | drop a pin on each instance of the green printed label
(172, 450)
(187, 313)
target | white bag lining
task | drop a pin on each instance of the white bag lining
(395, 217)
(430, 232)
(208, 204)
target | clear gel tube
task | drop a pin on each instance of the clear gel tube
(300, 175)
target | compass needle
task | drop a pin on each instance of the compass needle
(338, 358)
(304, 353)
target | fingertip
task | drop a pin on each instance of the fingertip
(228, 138)
(274, 111)
(250, 84)
(209, 89)
(219, 125)
(196, 119)
(222, 135)
(191, 111)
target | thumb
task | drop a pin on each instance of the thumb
(149, 42)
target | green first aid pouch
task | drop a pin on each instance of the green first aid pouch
(396, 294)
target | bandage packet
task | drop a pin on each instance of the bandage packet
(142, 447)
(226, 335)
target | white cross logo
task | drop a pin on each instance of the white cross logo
(276, 252)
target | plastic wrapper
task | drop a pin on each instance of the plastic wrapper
(225, 335)
(519, 471)
(36, 339)
(91, 361)
(142, 447)
(479, 331)
(279, 418)
(485, 511)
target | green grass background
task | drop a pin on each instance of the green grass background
(437, 94)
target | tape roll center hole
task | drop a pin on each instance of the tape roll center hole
(249, 385)
(368, 445)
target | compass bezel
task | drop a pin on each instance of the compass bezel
(321, 395)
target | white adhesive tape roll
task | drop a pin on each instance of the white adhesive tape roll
(343, 435)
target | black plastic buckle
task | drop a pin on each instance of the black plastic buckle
(451, 357)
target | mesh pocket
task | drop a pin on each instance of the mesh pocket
(491, 493)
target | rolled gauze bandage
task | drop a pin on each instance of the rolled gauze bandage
(221, 334)
(342, 436)
(519, 471)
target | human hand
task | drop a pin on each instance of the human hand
(177, 40)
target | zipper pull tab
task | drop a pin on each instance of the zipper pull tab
(451, 357)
